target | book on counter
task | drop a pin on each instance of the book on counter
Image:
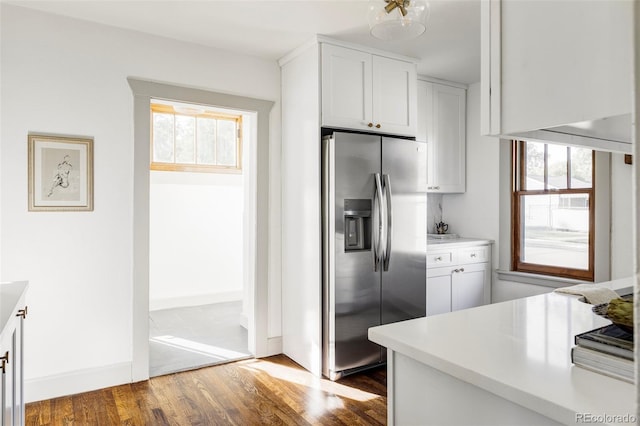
(609, 339)
(600, 362)
(606, 350)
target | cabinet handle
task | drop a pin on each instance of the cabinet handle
(5, 361)
(378, 126)
(438, 259)
(22, 312)
(436, 187)
(473, 255)
(461, 270)
(370, 125)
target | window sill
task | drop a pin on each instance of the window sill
(537, 279)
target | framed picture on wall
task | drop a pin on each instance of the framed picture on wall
(60, 173)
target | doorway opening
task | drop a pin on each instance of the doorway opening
(197, 192)
(256, 213)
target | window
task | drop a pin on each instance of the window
(553, 210)
(195, 139)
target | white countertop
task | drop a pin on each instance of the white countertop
(518, 350)
(11, 294)
(443, 244)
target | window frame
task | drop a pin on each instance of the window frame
(518, 175)
(162, 108)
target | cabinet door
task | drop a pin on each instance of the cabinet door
(3, 397)
(468, 286)
(11, 387)
(438, 291)
(534, 79)
(346, 88)
(448, 139)
(394, 96)
(424, 101)
(18, 374)
(7, 346)
(424, 125)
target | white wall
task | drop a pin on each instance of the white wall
(65, 76)
(195, 238)
(475, 213)
(622, 259)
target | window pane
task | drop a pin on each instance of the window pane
(534, 158)
(185, 139)
(557, 166)
(581, 167)
(226, 146)
(163, 138)
(206, 141)
(556, 230)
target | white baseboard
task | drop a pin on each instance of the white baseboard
(274, 345)
(77, 382)
(90, 379)
(194, 300)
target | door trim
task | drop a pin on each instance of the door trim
(143, 91)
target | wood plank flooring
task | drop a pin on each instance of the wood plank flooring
(268, 391)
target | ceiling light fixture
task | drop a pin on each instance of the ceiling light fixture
(397, 19)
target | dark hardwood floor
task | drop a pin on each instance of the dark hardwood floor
(266, 391)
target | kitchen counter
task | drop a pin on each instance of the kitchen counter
(12, 296)
(508, 363)
(436, 243)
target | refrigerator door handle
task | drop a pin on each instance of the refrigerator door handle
(378, 227)
(388, 231)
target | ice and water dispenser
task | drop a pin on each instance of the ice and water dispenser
(357, 224)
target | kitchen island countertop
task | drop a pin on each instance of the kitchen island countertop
(519, 351)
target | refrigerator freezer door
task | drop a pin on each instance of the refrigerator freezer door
(351, 286)
(404, 166)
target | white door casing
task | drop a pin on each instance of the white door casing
(143, 91)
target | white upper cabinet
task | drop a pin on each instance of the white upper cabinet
(394, 96)
(346, 87)
(550, 64)
(363, 91)
(442, 124)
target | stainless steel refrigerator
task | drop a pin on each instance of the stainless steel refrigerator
(374, 226)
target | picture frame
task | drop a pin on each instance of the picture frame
(60, 173)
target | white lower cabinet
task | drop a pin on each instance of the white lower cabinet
(439, 291)
(468, 286)
(463, 283)
(11, 355)
(11, 369)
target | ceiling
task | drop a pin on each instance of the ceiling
(449, 49)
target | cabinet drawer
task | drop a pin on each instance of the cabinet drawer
(474, 255)
(440, 258)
